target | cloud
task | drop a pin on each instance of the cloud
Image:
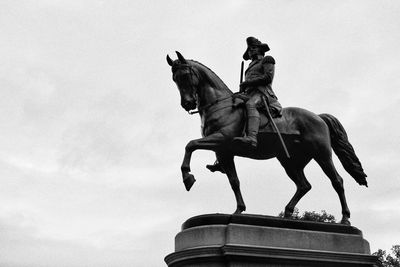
(92, 133)
(16, 238)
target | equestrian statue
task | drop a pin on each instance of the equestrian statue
(253, 124)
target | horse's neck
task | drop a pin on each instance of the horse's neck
(210, 94)
(211, 87)
(211, 90)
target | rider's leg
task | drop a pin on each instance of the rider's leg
(253, 124)
(253, 121)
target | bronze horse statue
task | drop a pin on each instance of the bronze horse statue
(306, 135)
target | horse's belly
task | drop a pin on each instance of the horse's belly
(270, 146)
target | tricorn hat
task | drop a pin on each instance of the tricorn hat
(251, 41)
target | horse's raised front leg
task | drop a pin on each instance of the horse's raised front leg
(211, 142)
(229, 167)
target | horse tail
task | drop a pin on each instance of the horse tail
(344, 150)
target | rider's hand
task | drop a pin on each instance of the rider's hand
(243, 86)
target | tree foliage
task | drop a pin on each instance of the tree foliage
(385, 259)
(314, 216)
(388, 259)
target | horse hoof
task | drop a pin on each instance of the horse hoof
(345, 221)
(238, 211)
(288, 215)
(189, 181)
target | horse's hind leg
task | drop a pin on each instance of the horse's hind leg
(337, 183)
(296, 173)
(229, 167)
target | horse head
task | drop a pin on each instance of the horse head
(187, 78)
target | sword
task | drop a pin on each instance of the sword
(275, 128)
(241, 75)
(241, 72)
(240, 93)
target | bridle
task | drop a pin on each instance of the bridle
(195, 93)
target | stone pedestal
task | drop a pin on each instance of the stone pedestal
(217, 240)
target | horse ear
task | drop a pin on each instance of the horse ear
(169, 60)
(181, 58)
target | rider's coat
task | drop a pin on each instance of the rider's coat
(259, 76)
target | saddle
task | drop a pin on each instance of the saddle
(283, 119)
(284, 123)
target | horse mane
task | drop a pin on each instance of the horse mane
(216, 80)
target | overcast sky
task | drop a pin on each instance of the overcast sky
(92, 134)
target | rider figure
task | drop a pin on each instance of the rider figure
(257, 84)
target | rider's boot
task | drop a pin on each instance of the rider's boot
(253, 123)
(250, 139)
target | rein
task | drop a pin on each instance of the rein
(205, 107)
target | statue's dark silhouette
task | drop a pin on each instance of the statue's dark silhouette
(306, 135)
